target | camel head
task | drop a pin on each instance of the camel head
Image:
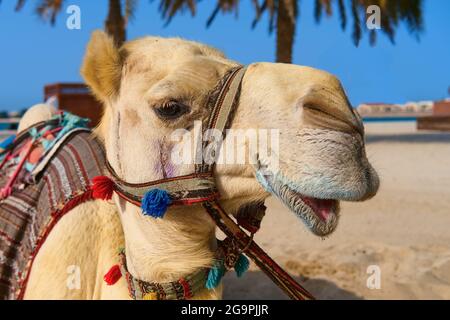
(153, 86)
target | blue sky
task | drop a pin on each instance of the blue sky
(33, 53)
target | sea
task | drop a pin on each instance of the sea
(390, 119)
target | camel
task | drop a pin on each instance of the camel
(151, 86)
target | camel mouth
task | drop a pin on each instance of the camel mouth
(320, 215)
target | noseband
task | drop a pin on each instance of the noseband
(200, 188)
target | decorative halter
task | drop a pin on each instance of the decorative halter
(199, 188)
(182, 289)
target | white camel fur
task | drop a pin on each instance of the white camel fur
(321, 156)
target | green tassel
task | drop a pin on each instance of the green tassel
(215, 275)
(241, 265)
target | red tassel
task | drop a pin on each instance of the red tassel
(102, 188)
(113, 275)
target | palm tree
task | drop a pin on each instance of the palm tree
(283, 17)
(392, 13)
(115, 23)
(285, 12)
(118, 18)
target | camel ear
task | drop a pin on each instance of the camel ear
(102, 66)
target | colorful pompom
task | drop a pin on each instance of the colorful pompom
(102, 188)
(113, 275)
(155, 203)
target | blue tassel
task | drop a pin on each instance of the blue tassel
(155, 203)
(241, 265)
(215, 275)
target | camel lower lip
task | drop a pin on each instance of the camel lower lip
(323, 208)
(319, 215)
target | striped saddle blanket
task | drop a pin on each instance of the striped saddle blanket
(44, 173)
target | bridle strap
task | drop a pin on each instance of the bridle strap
(280, 277)
(223, 112)
(221, 116)
(184, 190)
(220, 119)
(155, 183)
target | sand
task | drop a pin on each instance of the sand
(404, 231)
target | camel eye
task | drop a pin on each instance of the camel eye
(171, 111)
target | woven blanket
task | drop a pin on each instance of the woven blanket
(39, 200)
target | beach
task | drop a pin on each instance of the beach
(402, 233)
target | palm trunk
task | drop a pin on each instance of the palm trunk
(115, 23)
(286, 23)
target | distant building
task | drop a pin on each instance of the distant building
(441, 107)
(374, 108)
(386, 109)
(75, 98)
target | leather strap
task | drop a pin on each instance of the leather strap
(222, 113)
(184, 190)
(220, 119)
(280, 277)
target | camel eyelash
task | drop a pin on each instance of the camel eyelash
(171, 110)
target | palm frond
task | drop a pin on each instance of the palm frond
(372, 37)
(342, 14)
(357, 32)
(213, 15)
(318, 8)
(271, 6)
(49, 9)
(327, 6)
(225, 6)
(322, 6)
(169, 8)
(130, 10)
(394, 12)
(19, 5)
(260, 9)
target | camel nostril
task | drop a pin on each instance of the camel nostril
(327, 117)
(327, 106)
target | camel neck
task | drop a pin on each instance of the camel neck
(163, 250)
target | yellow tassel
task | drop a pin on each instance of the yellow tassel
(150, 296)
